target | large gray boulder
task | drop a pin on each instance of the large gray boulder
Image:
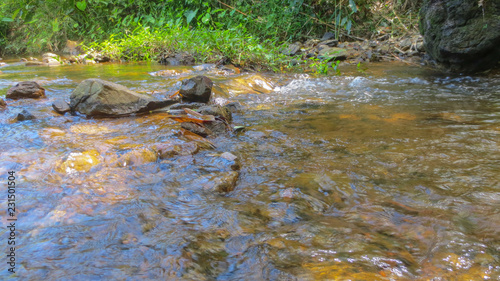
(99, 98)
(462, 35)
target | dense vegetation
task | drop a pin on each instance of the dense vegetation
(140, 29)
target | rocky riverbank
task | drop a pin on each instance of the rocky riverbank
(299, 56)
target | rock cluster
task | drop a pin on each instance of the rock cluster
(329, 49)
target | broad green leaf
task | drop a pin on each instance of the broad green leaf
(14, 15)
(344, 20)
(190, 15)
(7, 19)
(205, 18)
(81, 5)
(353, 6)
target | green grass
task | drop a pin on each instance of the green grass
(205, 45)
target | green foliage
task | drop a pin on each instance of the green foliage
(336, 67)
(207, 45)
(320, 66)
(35, 26)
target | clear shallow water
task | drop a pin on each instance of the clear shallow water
(390, 174)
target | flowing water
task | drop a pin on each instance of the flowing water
(389, 174)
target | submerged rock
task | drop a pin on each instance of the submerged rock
(25, 115)
(232, 159)
(222, 182)
(96, 97)
(137, 157)
(192, 105)
(80, 162)
(462, 35)
(171, 72)
(213, 128)
(33, 63)
(26, 90)
(167, 150)
(196, 89)
(196, 128)
(61, 106)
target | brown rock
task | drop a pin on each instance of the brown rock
(196, 128)
(223, 182)
(26, 90)
(217, 127)
(216, 111)
(33, 63)
(2, 103)
(168, 150)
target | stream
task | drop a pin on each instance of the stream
(391, 173)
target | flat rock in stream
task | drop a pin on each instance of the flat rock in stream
(26, 90)
(2, 103)
(192, 105)
(99, 98)
(61, 106)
